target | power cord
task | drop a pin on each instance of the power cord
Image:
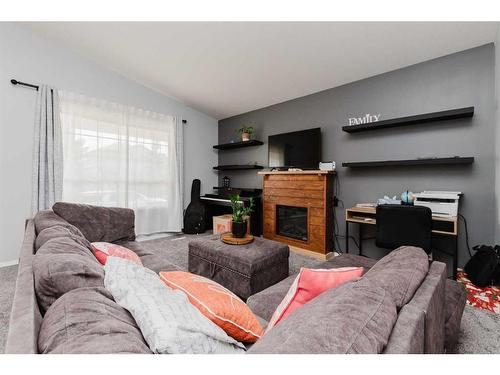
(466, 233)
(336, 230)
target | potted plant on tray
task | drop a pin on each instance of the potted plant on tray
(240, 215)
(246, 132)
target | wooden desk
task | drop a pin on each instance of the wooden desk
(441, 226)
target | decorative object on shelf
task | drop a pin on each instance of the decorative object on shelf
(388, 200)
(366, 119)
(407, 198)
(240, 215)
(412, 120)
(226, 182)
(326, 165)
(410, 162)
(246, 132)
(231, 239)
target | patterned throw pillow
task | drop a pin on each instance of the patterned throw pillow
(103, 250)
(309, 284)
(218, 304)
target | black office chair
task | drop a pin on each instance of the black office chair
(399, 225)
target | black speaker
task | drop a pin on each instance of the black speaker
(194, 217)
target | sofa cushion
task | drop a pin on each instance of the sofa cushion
(352, 318)
(309, 284)
(65, 245)
(265, 302)
(47, 219)
(58, 231)
(217, 303)
(166, 318)
(57, 274)
(98, 224)
(348, 260)
(87, 320)
(400, 273)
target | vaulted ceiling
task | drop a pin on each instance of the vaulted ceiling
(224, 69)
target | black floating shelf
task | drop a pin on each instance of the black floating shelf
(236, 167)
(410, 162)
(412, 120)
(229, 146)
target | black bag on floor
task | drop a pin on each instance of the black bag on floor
(483, 268)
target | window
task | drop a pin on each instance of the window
(122, 156)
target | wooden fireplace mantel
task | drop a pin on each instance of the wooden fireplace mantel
(297, 172)
(311, 189)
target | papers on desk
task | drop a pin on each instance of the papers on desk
(366, 205)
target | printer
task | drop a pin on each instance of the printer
(441, 203)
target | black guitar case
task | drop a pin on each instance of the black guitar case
(194, 217)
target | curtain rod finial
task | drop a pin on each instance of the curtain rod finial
(13, 81)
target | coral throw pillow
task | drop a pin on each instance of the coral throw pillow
(218, 304)
(309, 284)
(103, 250)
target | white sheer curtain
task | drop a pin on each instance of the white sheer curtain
(121, 156)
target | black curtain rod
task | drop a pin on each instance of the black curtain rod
(16, 82)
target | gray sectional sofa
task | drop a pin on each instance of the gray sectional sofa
(402, 304)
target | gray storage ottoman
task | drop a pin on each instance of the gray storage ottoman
(243, 269)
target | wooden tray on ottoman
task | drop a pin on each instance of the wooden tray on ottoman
(232, 240)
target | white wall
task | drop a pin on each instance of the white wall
(28, 57)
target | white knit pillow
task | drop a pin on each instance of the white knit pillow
(168, 321)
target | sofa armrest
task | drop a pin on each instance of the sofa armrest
(407, 336)
(430, 298)
(25, 318)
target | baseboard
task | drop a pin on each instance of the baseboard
(312, 254)
(9, 263)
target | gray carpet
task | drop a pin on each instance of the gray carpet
(174, 248)
(7, 285)
(480, 332)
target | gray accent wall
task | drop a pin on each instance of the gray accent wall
(458, 80)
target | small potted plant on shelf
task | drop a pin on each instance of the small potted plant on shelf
(246, 132)
(240, 215)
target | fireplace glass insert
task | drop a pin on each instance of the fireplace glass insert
(291, 222)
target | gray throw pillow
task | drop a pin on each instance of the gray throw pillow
(47, 219)
(99, 224)
(66, 245)
(351, 318)
(87, 320)
(58, 231)
(57, 274)
(400, 273)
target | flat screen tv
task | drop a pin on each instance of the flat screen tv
(300, 149)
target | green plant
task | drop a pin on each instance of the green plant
(245, 129)
(239, 210)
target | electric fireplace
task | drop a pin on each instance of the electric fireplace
(292, 222)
